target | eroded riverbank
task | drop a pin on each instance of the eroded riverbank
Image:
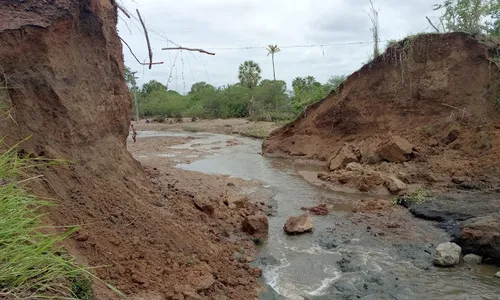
(366, 247)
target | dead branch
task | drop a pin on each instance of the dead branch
(123, 10)
(189, 49)
(430, 22)
(147, 39)
(130, 49)
(462, 110)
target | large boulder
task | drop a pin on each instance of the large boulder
(300, 224)
(396, 150)
(447, 255)
(481, 236)
(257, 225)
(342, 158)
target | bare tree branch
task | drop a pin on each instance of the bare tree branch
(147, 39)
(132, 52)
(189, 49)
(123, 10)
(430, 22)
(375, 29)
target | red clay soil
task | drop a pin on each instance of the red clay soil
(63, 64)
(440, 92)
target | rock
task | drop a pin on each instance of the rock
(393, 225)
(447, 255)
(137, 279)
(320, 210)
(204, 282)
(497, 274)
(368, 153)
(394, 185)
(236, 202)
(255, 225)
(267, 260)
(300, 224)
(481, 236)
(419, 254)
(451, 137)
(396, 150)
(257, 272)
(203, 205)
(342, 158)
(473, 259)
(354, 167)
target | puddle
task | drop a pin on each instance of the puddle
(339, 259)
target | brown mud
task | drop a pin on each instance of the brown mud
(420, 92)
(62, 66)
(222, 126)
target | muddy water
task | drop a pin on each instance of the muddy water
(339, 259)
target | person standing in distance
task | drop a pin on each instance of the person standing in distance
(134, 133)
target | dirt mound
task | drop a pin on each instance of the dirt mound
(62, 66)
(426, 111)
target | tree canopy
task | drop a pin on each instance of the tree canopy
(249, 74)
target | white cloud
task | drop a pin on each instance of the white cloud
(213, 24)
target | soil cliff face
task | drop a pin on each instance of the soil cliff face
(426, 111)
(61, 69)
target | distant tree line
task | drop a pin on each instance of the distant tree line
(252, 97)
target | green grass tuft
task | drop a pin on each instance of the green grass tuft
(33, 265)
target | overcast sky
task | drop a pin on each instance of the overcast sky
(212, 24)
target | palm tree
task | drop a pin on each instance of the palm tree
(249, 74)
(272, 49)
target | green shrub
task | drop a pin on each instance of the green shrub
(418, 196)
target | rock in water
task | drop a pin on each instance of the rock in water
(396, 150)
(257, 225)
(447, 255)
(473, 259)
(481, 236)
(320, 210)
(497, 274)
(300, 224)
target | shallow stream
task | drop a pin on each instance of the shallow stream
(339, 259)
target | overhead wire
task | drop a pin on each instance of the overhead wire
(161, 35)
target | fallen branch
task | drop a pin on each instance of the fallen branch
(430, 22)
(130, 49)
(147, 40)
(189, 49)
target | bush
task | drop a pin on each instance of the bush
(268, 101)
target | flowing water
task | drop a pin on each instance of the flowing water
(339, 259)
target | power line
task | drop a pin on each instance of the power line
(295, 46)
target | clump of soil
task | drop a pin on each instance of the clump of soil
(63, 64)
(415, 113)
